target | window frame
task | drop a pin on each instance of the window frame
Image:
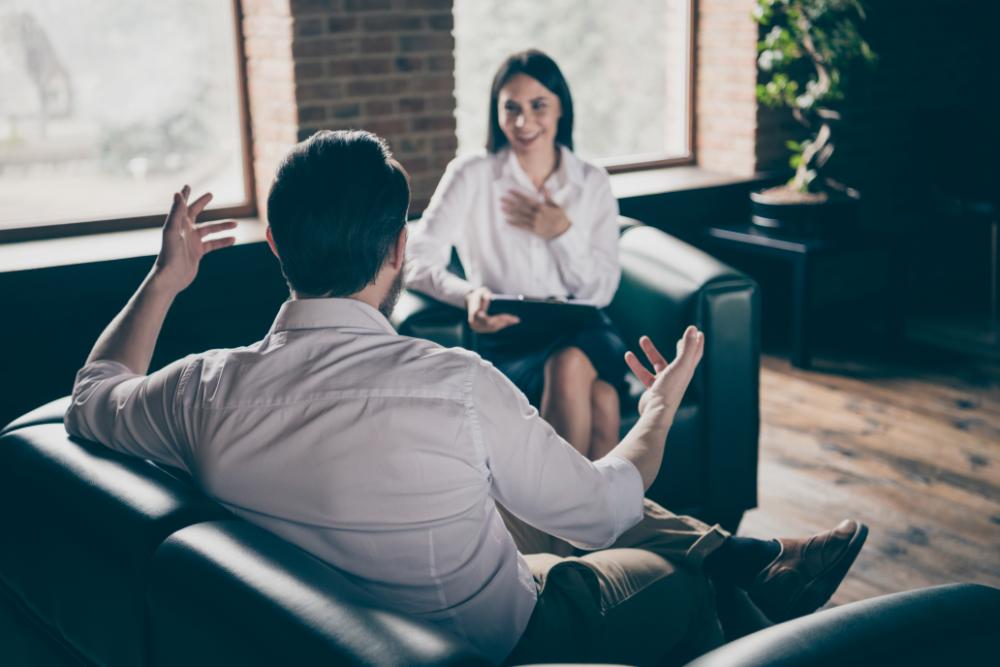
(247, 208)
(628, 163)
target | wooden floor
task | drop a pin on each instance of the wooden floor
(912, 448)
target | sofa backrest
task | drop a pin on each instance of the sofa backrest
(108, 559)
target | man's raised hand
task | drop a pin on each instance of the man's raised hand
(184, 242)
(665, 386)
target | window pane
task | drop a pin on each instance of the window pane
(626, 63)
(110, 106)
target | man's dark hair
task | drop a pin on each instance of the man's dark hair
(337, 205)
(543, 69)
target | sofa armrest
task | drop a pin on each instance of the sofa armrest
(666, 285)
(420, 316)
(50, 413)
(237, 594)
(953, 624)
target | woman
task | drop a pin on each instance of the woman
(530, 217)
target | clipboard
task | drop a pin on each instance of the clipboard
(544, 311)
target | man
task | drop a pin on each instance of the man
(390, 457)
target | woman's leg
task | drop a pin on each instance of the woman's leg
(566, 402)
(605, 419)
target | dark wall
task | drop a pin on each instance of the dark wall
(53, 316)
(919, 128)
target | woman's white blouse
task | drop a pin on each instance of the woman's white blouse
(465, 213)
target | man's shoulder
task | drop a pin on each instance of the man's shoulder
(437, 361)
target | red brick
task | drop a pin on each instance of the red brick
(445, 143)
(318, 91)
(308, 27)
(345, 110)
(430, 42)
(386, 127)
(326, 46)
(441, 63)
(412, 145)
(379, 108)
(314, 6)
(437, 83)
(437, 5)
(446, 103)
(358, 66)
(341, 23)
(312, 114)
(367, 5)
(432, 123)
(378, 44)
(309, 69)
(409, 63)
(441, 21)
(411, 104)
(392, 22)
(377, 86)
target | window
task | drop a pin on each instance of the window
(110, 106)
(628, 64)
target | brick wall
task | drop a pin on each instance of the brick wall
(725, 99)
(382, 65)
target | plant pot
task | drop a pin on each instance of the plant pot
(809, 214)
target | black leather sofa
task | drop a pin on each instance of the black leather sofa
(710, 464)
(111, 560)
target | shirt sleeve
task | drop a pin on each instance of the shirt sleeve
(133, 414)
(428, 249)
(541, 479)
(587, 255)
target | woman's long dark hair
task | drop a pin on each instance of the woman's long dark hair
(543, 69)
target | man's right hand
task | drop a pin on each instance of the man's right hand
(477, 302)
(184, 242)
(665, 388)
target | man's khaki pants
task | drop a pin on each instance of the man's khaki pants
(642, 601)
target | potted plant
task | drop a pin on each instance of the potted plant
(805, 48)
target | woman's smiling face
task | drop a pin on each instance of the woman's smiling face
(529, 114)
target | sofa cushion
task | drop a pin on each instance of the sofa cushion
(81, 523)
(240, 595)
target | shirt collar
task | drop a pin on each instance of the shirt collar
(570, 171)
(330, 314)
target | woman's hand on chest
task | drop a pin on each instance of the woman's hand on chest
(544, 218)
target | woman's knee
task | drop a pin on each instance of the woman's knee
(570, 364)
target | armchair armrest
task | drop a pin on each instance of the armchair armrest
(50, 413)
(953, 624)
(420, 316)
(666, 285)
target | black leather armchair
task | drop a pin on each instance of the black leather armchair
(710, 464)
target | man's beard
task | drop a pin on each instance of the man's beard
(392, 296)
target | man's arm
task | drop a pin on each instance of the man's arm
(114, 401)
(644, 443)
(131, 336)
(540, 478)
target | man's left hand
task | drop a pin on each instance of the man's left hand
(544, 218)
(184, 242)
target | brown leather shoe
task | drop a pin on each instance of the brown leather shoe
(807, 572)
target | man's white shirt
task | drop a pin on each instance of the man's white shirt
(381, 454)
(466, 213)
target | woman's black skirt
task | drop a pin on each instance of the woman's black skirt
(520, 352)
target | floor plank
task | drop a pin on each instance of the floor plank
(911, 447)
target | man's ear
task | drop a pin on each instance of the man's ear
(270, 241)
(399, 250)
